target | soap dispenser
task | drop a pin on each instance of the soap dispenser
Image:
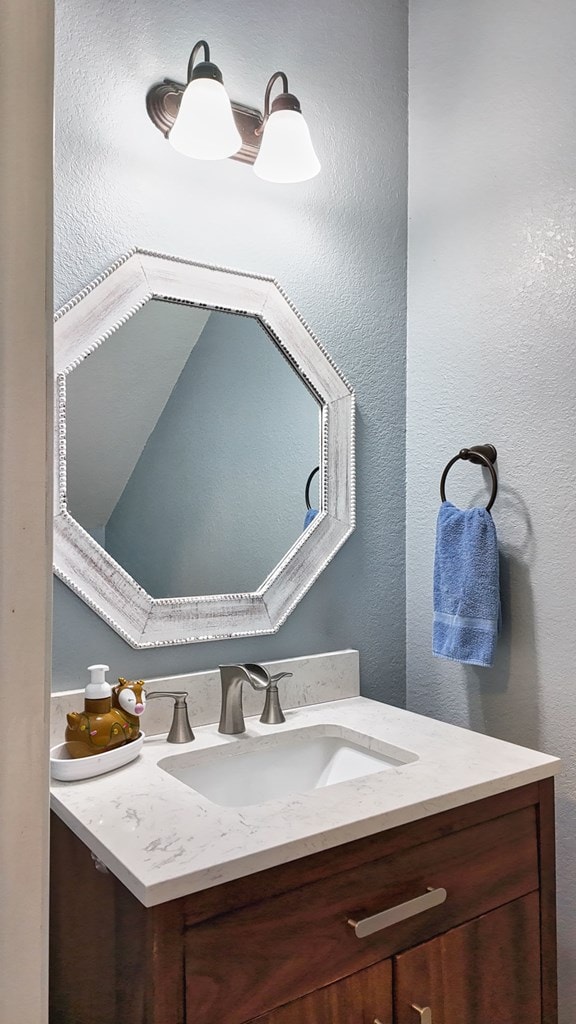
(94, 730)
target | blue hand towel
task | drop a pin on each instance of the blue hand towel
(466, 586)
(310, 516)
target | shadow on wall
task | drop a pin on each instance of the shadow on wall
(491, 694)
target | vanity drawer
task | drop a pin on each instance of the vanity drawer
(301, 940)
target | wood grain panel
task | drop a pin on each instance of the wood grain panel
(284, 947)
(359, 999)
(149, 970)
(82, 926)
(485, 972)
(112, 961)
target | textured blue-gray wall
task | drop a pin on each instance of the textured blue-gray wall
(216, 498)
(491, 357)
(336, 244)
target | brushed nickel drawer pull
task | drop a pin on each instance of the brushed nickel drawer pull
(385, 919)
(425, 1013)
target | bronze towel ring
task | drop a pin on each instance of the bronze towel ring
(308, 482)
(482, 455)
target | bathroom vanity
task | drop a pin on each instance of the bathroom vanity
(422, 892)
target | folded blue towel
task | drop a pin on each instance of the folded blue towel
(310, 515)
(466, 586)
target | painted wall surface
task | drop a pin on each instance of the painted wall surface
(216, 498)
(336, 244)
(491, 357)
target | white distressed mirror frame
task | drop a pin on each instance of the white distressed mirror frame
(86, 322)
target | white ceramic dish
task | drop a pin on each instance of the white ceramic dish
(72, 769)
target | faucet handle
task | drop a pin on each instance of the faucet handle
(273, 714)
(180, 730)
(281, 675)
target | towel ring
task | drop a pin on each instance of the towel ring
(308, 482)
(482, 455)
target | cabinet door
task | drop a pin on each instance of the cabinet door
(362, 998)
(485, 971)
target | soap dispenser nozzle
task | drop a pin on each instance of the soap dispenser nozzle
(98, 688)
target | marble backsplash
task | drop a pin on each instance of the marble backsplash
(316, 679)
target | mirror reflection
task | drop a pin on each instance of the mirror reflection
(190, 440)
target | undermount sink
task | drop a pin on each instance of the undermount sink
(253, 770)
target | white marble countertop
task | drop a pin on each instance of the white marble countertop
(163, 840)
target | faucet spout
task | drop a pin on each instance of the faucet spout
(232, 678)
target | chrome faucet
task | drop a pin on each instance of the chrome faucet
(232, 678)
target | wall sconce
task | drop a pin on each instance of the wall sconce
(200, 121)
(205, 127)
(286, 152)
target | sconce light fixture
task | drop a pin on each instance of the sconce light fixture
(286, 152)
(200, 121)
(205, 127)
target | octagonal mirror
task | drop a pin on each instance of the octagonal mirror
(197, 419)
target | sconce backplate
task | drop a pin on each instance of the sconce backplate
(163, 103)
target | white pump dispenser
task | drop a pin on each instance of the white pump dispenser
(98, 688)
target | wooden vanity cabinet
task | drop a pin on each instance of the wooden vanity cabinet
(278, 947)
(484, 972)
(354, 1000)
(488, 970)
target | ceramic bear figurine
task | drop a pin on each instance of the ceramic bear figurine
(106, 722)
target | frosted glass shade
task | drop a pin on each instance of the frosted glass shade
(205, 127)
(286, 153)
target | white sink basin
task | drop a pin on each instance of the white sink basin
(252, 770)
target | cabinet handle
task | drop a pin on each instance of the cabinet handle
(386, 918)
(425, 1013)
